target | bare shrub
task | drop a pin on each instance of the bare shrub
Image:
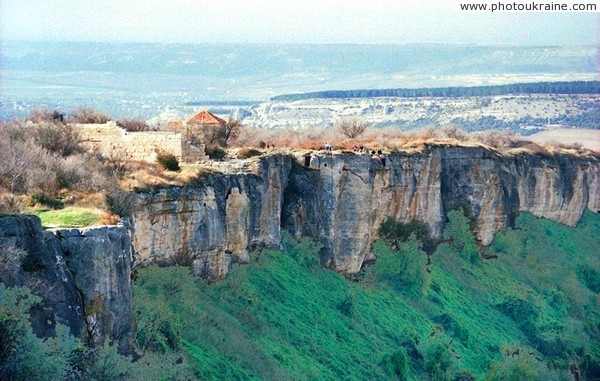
(167, 161)
(19, 159)
(245, 153)
(119, 202)
(10, 204)
(29, 168)
(498, 139)
(82, 172)
(41, 178)
(351, 128)
(58, 138)
(44, 114)
(13, 131)
(88, 115)
(454, 132)
(133, 125)
(570, 146)
(116, 165)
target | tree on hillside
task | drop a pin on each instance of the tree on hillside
(233, 128)
(351, 128)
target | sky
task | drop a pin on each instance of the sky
(299, 21)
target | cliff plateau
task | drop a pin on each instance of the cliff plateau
(339, 199)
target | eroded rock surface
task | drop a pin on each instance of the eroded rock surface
(82, 276)
(208, 227)
(341, 199)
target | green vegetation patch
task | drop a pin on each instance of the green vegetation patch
(71, 217)
(530, 312)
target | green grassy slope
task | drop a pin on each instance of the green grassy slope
(530, 313)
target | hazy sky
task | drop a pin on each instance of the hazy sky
(301, 21)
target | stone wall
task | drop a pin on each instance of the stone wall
(110, 140)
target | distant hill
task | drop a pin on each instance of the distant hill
(576, 87)
(237, 60)
(144, 80)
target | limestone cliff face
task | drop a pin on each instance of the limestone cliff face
(100, 261)
(208, 227)
(83, 277)
(342, 199)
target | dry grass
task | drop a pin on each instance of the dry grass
(395, 139)
(144, 175)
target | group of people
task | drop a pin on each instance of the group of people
(362, 149)
(358, 149)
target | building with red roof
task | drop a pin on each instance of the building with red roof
(206, 118)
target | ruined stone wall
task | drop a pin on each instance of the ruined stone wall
(110, 140)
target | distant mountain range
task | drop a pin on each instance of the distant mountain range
(145, 79)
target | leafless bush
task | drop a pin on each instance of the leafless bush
(10, 204)
(454, 132)
(497, 139)
(58, 138)
(119, 202)
(13, 130)
(18, 160)
(351, 128)
(88, 115)
(245, 153)
(44, 114)
(133, 125)
(29, 168)
(82, 172)
(570, 146)
(117, 166)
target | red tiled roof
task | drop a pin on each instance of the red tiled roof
(205, 117)
(175, 123)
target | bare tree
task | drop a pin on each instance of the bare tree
(233, 128)
(352, 128)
